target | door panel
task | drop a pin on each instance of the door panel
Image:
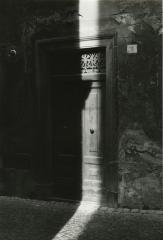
(77, 136)
(93, 141)
(68, 99)
(93, 122)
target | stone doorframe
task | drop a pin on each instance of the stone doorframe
(109, 42)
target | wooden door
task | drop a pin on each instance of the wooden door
(93, 142)
(77, 137)
(78, 122)
(68, 99)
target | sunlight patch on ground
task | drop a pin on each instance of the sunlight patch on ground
(78, 222)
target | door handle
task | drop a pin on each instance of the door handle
(92, 131)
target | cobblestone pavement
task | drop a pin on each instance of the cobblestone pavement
(39, 220)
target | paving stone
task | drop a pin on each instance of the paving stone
(159, 212)
(126, 210)
(110, 210)
(144, 211)
(135, 210)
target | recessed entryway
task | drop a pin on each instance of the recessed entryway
(76, 114)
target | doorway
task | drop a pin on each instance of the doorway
(75, 74)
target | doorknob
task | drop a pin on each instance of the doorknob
(91, 131)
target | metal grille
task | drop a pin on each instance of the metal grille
(93, 62)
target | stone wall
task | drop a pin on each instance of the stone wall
(139, 87)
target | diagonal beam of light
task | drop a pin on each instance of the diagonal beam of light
(78, 222)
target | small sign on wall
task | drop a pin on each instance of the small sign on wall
(132, 48)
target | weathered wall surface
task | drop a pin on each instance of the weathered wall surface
(139, 102)
(139, 105)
